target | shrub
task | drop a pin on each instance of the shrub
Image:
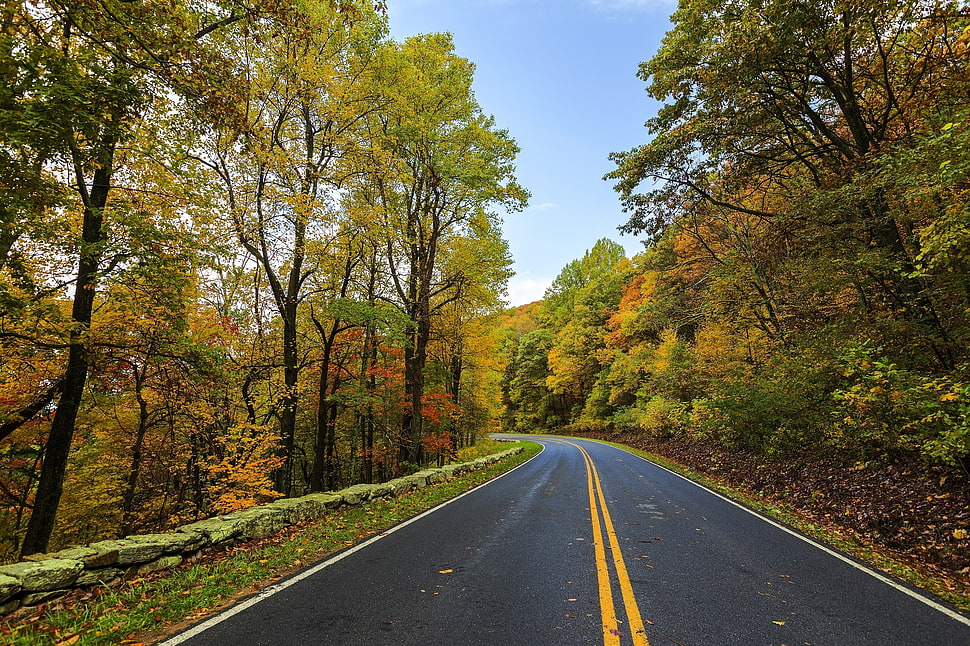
(657, 416)
(884, 408)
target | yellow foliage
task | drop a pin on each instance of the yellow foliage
(241, 477)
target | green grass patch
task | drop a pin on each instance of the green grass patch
(945, 588)
(125, 613)
(482, 447)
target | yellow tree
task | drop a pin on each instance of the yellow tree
(281, 166)
(439, 163)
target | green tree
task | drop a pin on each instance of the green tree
(305, 100)
(96, 74)
(439, 163)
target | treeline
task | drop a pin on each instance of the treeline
(805, 288)
(246, 249)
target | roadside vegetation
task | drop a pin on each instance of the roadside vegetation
(145, 609)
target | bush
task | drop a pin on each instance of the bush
(657, 416)
(884, 408)
(781, 407)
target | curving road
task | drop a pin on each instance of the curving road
(587, 544)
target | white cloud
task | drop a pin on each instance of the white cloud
(545, 206)
(527, 290)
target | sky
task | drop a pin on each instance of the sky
(561, 77)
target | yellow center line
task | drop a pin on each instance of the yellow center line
(611, 633)
(635, 625)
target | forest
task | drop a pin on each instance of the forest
(247, 250)
(803, 294)
(250, 250)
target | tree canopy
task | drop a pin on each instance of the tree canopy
(245, 252)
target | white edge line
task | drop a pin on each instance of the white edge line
(269, 591)
(828, 550)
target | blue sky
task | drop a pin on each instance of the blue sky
(560, 75)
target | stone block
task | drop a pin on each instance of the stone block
(171, 543)
(417, 480)
(163, 563)
(399, 486)
(105, 553)
(357, 494)
(9, 606)
(50, 574)
(432, 476)
(328, 499)
(380, 491)
(76, 553)
(216, 530)
(100, 576)
(131, 552)
(258, 522)
(37, 598)
(9, 586)
(299, 510)
(453, 470)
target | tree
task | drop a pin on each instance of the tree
(782, 110)
(305, 99)
(440, 164)
(94, 73)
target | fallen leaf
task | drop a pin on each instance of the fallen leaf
(445, 571)
(778, 623)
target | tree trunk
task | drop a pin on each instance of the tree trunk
(58, 446)
(128, 497)
(415, 358)
(454, 389)
(323, 418)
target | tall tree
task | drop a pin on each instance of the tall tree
(95, 71)
(441, 163)
(280, 166)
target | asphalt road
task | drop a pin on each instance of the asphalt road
(587, 544)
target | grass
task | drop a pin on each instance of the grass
(143, 609)
(942, 587)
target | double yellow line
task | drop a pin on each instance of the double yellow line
(598, 509)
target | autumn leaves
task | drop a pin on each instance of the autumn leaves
(250, 257)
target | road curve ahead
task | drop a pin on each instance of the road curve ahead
(587, 544)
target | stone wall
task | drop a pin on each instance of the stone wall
(43, 577)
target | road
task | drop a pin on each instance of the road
(587, 544)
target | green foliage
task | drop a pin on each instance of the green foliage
(656, 416)
(886, 408)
